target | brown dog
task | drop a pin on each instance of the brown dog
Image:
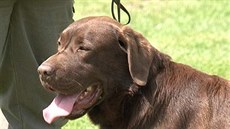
(112, 73)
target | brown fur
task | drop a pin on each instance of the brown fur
(142, 87)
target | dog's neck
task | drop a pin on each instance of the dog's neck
(121, 110)
(109, 113)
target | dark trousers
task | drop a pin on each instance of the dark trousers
(28, 33)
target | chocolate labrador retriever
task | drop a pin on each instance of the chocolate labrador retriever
(113, 74)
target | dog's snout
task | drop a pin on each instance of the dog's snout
(45, 70)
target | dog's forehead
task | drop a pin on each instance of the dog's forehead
(94, 24)
(96, 30)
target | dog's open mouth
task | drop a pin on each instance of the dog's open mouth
(73, 106)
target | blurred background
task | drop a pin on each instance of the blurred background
(196, 33)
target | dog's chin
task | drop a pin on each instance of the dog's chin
(76, 114)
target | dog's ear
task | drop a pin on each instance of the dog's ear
(139, 52)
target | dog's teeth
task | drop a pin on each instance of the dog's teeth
(85, 93)
(81, 97)
(89, 89)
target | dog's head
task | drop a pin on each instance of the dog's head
(96, 56)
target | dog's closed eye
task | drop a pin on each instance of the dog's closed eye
(83, 48)
(122, 45)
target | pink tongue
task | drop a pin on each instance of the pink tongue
(62, 105)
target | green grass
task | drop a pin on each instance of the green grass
(192, 32)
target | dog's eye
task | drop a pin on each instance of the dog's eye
(83, 48)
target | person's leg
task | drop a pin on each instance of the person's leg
(33, 32)
(6, 7)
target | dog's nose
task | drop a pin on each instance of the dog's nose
(45, 70)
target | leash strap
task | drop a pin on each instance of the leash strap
(119, 6)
